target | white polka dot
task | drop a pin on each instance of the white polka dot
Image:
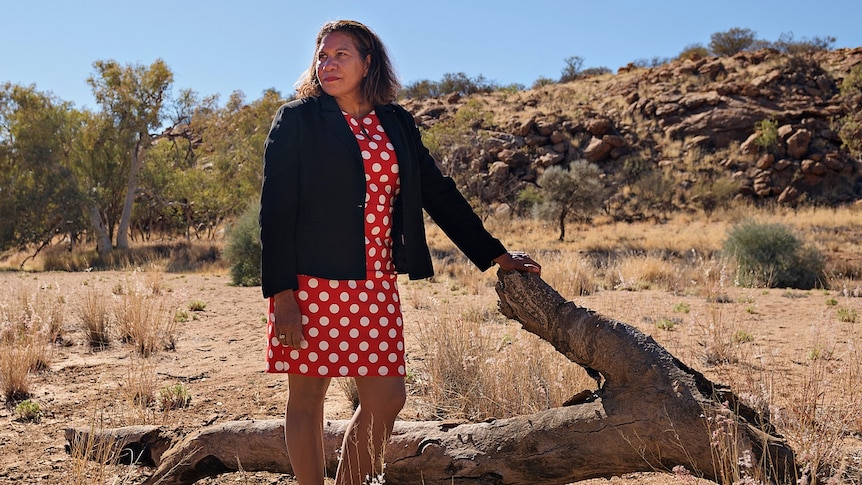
(372, 145)
(343, 370)
(393, 357)
(354, 308)
(324, 345)
(353, 121)
(312, 356)
(303, 344)
(272, 317)
(381, 297)
(344, 296)
(384, 156)
(385, 220)
(352, 283)
(322, 370)
(374, 333)
(369, 284)
(270, 354)
(400, 345)
(364, 321)
(294, 354)
(303, 369)
(302, 295)
(324, 321)
(367, 120)
(304, 319)
(389, 146)
(312, 283)
(401, 370)
(363, 346)
(372, 358)
(343, 346)
(383, 370)
(333, 284)
(354, 333)
(376, 167)
(373, 308)
(393, 333)
(353, 358)
(384, 321)
(333, 333)
(391, 308)
(279, 366)
(313, 308)
(274, 342)
(372, 252)
(333, 308)
(366, 154)
(362, 370)
(395, 169)
(375, 230)
(378, 265)
(363, 296)
(344, 321)
(370, 218)
(398, 321)
(313, 332)
(333, 358)
(383, 346)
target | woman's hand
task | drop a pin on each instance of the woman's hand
(288, 320)
(518, 260)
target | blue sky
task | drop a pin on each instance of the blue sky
(219, 46)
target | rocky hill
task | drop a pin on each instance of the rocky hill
(692, 134)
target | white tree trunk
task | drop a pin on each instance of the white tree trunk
(103, 239)
(131, 190)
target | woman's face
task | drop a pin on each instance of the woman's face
(340, 67)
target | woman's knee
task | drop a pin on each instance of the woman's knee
(386, 398)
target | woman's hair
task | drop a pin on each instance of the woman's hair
(380, 86)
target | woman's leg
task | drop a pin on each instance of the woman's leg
(303, 427)
(380, 401)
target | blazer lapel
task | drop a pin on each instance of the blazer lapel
(331, 114)
(389, 119)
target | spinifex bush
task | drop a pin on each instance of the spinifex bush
(145, 319)
(769, 254)
(94, 312)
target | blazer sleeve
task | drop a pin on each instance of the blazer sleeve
(279, 201)
(448, 207)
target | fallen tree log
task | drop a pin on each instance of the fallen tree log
(650, 412)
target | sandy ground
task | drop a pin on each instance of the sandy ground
(219, 357)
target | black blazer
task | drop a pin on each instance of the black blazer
(313, 195)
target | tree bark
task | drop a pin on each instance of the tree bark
(131, 190)
(650, 413)
(103, 239)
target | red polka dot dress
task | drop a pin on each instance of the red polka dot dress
(353, 327)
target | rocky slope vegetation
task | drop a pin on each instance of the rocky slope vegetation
(692, 134)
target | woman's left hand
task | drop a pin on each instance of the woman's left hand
(518, 260)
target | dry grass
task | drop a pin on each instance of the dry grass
(30, 323)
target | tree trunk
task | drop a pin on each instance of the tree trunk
(650, 413)
(131, 190)
(103, 239)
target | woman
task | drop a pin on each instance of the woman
(346, 179)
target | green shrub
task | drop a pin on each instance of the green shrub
(174, 397)
(29, 411)
(767, 134)
(771, 255)
(242, 250)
